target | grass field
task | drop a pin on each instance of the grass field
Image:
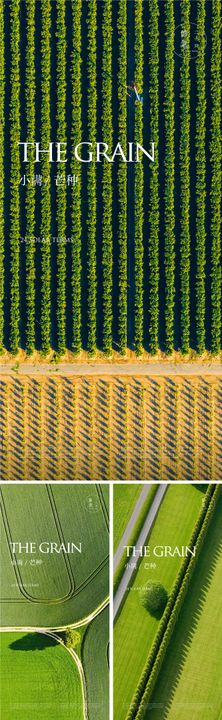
(53, 590)
(135, 628)
(96, 667)
(189, 684)
(137, 429)
(124, 501)
(39, 679)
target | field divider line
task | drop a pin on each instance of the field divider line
(130, 571)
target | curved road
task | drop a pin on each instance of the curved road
(130, 569)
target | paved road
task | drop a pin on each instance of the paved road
(163, 369)
(132, 521)
(141, 541)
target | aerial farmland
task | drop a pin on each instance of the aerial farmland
(54, 599)
(167, 606)
(110, 227)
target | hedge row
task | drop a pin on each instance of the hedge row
(134, 535)
(107, 231)
(200, 177)
(154, 179)
(122, 175)
(152, 667)
(61, 171)
(91, 190)
(138, 186)
(45, 230)
(2, 123)
(30, 169)
(185, 180)
(169, 233)
(76, 135)
(215, 153)
(14, 176)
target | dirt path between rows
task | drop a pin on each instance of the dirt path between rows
(130, 369)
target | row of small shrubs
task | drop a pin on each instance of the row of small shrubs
(200, 177)
(61, 188)
(185, 180)
(2, 124)
(14, 175)
(91, 173)
(76, 215)
(215, 193)
(107, 129)
(169, 163)
(30, 189)
(122, 176)
(45, 230)
(154, 178)
(138, 185)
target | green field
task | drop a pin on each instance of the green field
(73, 585)
(189, 684)
(96, 666)
(135, 628)
(124, 501)
(39, 679)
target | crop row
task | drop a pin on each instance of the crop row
(122, 177)
(2, 123)
(61, 187)
(76, 217)
(14, 175)
(215, 147)
(30, 194)
(45, 230)
(170, 616)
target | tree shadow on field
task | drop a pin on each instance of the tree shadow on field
(33, 641)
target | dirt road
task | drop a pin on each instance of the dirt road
(129, 369)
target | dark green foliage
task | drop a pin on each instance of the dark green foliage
(76, 170)
(154, 181)
(200, 177)
(122, 177)
(107, 244)
(30, 191)
(91, 221)
(153, 597)
(215, 150)
(169, 176)
(14, 177)
(45, 170)
(61, 170)
(2, 123)
(185, 180)
(138, 191)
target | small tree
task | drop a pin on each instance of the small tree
(154, 597)
(72, 638)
